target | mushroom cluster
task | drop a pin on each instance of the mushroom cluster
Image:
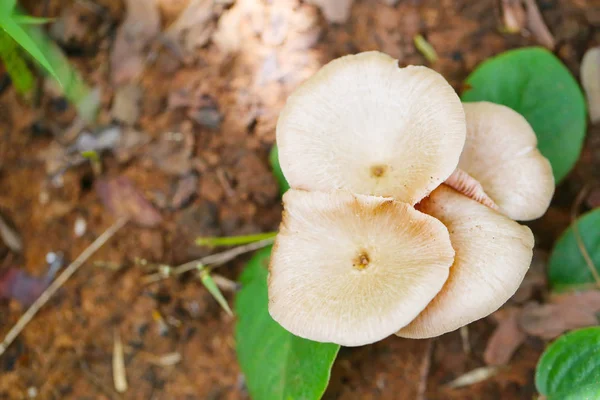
(401, 213)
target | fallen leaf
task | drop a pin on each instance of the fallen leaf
(140, 27)
(475, 376)
(10, 237)
(334, 11)
(184, 191)
(126, 104)
(172, 152)
(131, 141)
(513, 15)
(565, 312)
(590, 80)
(17, 284)
(104, 139)
(194, 26)
(506, 338)
(537, 26)
(121, 198)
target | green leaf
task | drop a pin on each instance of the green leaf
(274, 160)
(567, 268)
(7, 7)
(21, 37)
(533, 82)
(15, 65)
(29, 20)
(570, 367)
(214, 290)
(277, 364)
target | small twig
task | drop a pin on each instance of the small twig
(213, 260)
(464, 336)
(118, 364)
(574, 213)
(58, 282)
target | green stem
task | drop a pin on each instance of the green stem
(233, 240)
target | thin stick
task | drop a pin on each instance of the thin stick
(213, 260)
(58, 282)
(586, 256)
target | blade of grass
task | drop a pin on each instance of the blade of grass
(214, 290)
(233, 240)
(15, 65)
(30, 46)
(425, 48)
(29, 20)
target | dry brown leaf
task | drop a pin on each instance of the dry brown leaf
(537, 26)
(564, 312)
(172, 153)
(506, 338)
(140, 27)
(513, 15)
(334, 11)
(194, 26)
(121, 198)
(590, 79)
(126, 104)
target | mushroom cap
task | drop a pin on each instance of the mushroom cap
(493, 253)
(501, 153)
(353, 269)
(364, 125)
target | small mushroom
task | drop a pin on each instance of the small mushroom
(493, 253)
(364, 125)
(353, 269)
(501, 154)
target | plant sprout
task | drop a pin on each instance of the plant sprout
(372, 241)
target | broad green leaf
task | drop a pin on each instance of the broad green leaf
(567, 267)
(570, 367)
(214, 290)
(7, 7)
(29, 20)
(274, 160)
(533, 82)
(277, 364)
(21, 37)
(15, 65)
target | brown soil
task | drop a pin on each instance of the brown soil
(231, 103)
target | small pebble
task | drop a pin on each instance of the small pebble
(80, 227)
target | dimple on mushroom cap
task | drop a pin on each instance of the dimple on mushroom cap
(353, 269)
(493, 253)
(501, 153)
(365, 125)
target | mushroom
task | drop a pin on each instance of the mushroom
(365, 125)
(501, 153)
(493, 253)
(372, 243)
(353, 269)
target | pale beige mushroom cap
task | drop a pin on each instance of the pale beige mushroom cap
(353, 269)
(493, 253)
(364, 125)
(501, 153)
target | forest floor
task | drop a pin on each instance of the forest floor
(196, 120)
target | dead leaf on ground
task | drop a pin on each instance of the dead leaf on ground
(194, 26)
(590, 80)
(513, 15)
(126, 104)
(17, 284)
(120, 197)
(185, 190)
(172, 152)
(565, 312)
(334, 11)
(537, 26)
(140, 27)
(10, 237)
(506, 338)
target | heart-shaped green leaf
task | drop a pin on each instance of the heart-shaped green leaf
(274, 160)
(533, 82)
(567, 268)
(277, 364)
(570, 367)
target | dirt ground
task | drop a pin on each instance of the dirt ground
(206, 119)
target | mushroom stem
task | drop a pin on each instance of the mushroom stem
(470, 187)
